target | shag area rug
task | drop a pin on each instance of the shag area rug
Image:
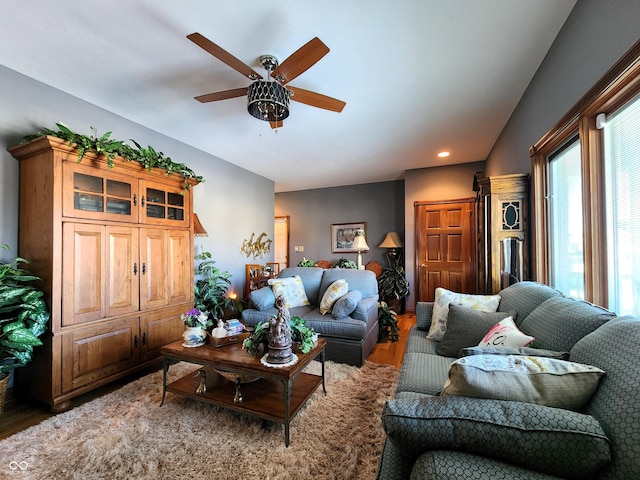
(127, 435)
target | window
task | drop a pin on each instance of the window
(566, 235)
(585, 204)
(622, 180)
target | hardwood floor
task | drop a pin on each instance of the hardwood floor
(19, 415)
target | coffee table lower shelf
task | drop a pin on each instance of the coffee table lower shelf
(262, 398)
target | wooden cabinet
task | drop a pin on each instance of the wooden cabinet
(503, 231)
(114, 248)
(257, 276)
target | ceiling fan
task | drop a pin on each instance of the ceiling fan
(269, 100)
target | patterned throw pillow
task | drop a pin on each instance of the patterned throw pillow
(539, 380)
(482, 303)
(292, 289)
(505, 334)
(346, 304)
(336, 290)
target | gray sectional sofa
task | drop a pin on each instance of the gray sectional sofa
(350, 338)
(430, 436)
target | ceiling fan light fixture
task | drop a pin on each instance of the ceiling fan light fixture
(268, 101)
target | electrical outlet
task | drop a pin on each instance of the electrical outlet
(295, 248)
(301, 248)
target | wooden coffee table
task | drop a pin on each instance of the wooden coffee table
(277, 394)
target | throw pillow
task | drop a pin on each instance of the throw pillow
(505, 334)
(539, 380)
(346, 304)
(336, 290)
(465, 328)
(262, 298)
(443, 297)
(292, 289)
(534, 352)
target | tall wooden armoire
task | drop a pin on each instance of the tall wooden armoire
(503, 230)
(114, 250)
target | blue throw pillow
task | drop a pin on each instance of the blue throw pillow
(346, 304)
(263, 298)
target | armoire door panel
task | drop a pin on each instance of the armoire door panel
(179, 265)
(82, 273)
(153, 268)
(123, 272)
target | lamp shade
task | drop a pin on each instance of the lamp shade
(392, 240)
(198, 229)
(359, 243)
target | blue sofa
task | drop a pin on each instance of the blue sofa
(350, 339)
(456, 437)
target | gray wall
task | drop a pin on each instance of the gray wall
(592, 40)
(312, 212)
(231, 204)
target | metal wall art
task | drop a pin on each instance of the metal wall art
(256, 248)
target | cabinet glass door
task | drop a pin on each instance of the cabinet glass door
(97, 194)
(164, 205)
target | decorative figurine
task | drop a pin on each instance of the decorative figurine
(219, 331)
(280, 334)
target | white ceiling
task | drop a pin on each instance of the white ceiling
(418, 76)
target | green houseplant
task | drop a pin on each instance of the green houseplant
(211, 287)
(300, 333)
(344, 263)
(393, 286)
(305, 262)
(387, 323)
(23, 317)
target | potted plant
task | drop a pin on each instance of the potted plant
(305, 262)
(23, 318)
(300, 333)
(387, 323)
(393, 287)
(344, 263)
(211, 288)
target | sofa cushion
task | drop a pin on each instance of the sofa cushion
(346, 304)
(552, 440)
(465, 328)
(292, 289)
(559, 322)
(363, 280)
(505, 334)
(336, 290)
(614, 348)
(443, 297)
(418, 343)
(423, 373)
(540, 380)
(424, 312)
(262, 298)
(534, 352)
(327, 326)
(311, 278)
(524, 298)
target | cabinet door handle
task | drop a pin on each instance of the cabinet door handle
(142, 201)
(135, 269)
(144, 338)
(135, 341)
(144, 268)
(135, 200)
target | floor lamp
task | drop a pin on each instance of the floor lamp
(392, 242)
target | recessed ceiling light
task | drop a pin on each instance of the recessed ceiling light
(443, 154)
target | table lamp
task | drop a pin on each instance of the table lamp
(360, 244)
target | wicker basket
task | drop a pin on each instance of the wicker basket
(3, 392)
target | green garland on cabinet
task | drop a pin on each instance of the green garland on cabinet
(103, 145)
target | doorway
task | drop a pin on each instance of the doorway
(281, 241)
(445, 247)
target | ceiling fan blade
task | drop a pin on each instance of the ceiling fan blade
(316, 100)
(300, 61)
(277, 124)
(223, 56)
(214, 97)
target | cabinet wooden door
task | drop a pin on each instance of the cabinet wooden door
(179, 266)
(123, 270)
(159, 328)
(90, 354)
(83, 273)
(153, 263)
(445, 248)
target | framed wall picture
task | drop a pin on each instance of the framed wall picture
(342, 235)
